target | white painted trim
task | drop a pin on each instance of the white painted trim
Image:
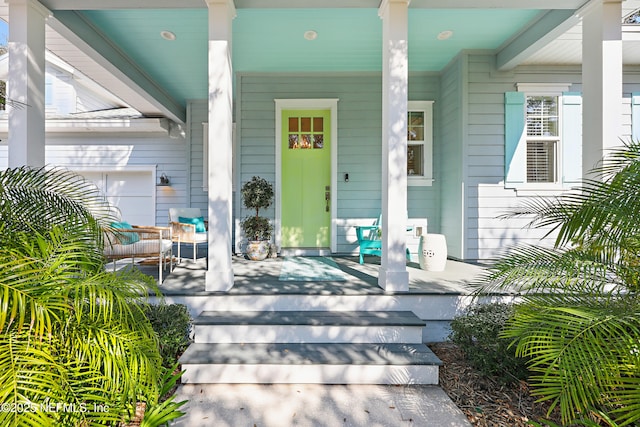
(533, 188)
(308, 334)
(100, 125)
(114, 168)
(543, 88)
(35, 5)
(308, 104)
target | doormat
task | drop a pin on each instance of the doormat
(310, 269)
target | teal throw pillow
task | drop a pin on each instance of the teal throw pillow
(198, 222)
(125, 238)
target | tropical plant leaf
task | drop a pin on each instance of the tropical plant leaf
(36, 199)
(71, 333)
(578, 322)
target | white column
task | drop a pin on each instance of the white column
(220, 272)
(393, 275)
(601, 80)
(26, 83)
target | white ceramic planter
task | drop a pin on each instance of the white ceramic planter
(432, 252)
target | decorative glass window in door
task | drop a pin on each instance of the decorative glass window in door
(306, 133)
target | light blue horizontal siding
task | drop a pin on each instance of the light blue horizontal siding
(486, 197)
(359, 138)
(106, 152)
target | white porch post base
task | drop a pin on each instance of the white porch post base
(219, 280)
(393, 281)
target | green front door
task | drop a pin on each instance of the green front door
(306, 179)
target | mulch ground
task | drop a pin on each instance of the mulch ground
(483, 400)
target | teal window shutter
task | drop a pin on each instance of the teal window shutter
(515, 150)
(635, 116)
(571, 138)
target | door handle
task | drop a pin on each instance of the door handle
(327, 197)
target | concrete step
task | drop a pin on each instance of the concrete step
(309, 363)
(308, 327)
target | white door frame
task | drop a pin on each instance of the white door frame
(308, 104)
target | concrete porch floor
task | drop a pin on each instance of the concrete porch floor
(262, 278)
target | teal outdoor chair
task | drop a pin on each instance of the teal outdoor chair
(370, 240)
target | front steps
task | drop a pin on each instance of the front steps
(313, 347)
(306, 327)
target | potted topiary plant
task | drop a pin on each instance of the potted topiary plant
(257, 194)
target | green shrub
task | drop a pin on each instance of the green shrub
(477, 333)
(172, 324)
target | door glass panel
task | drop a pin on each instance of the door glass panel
(306, 132)
(305, 124)
(293, 124)
(293, 141)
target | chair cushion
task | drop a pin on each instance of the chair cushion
(140, 248)
(125, 238)
(198, 222)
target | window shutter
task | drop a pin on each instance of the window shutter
(571, 138)
(515, 150)
(635, 116)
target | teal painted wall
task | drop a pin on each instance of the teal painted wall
(359, 139)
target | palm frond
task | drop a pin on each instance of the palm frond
(36, 199)
(579, 320)
(70, 332)
(591, 340)
(531, 269)
(160, 412)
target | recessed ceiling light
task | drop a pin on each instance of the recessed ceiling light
(443, 35)
(310, 35)
(167, 35)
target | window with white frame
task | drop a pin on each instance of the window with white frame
(543, 138)
(420, 143)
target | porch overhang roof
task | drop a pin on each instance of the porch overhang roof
(150, 74)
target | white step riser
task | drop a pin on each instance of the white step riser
(309, 374)
(431, 307)
(307, 334)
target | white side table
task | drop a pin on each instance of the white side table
(432, 252)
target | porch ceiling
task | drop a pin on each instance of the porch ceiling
(118, 42)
